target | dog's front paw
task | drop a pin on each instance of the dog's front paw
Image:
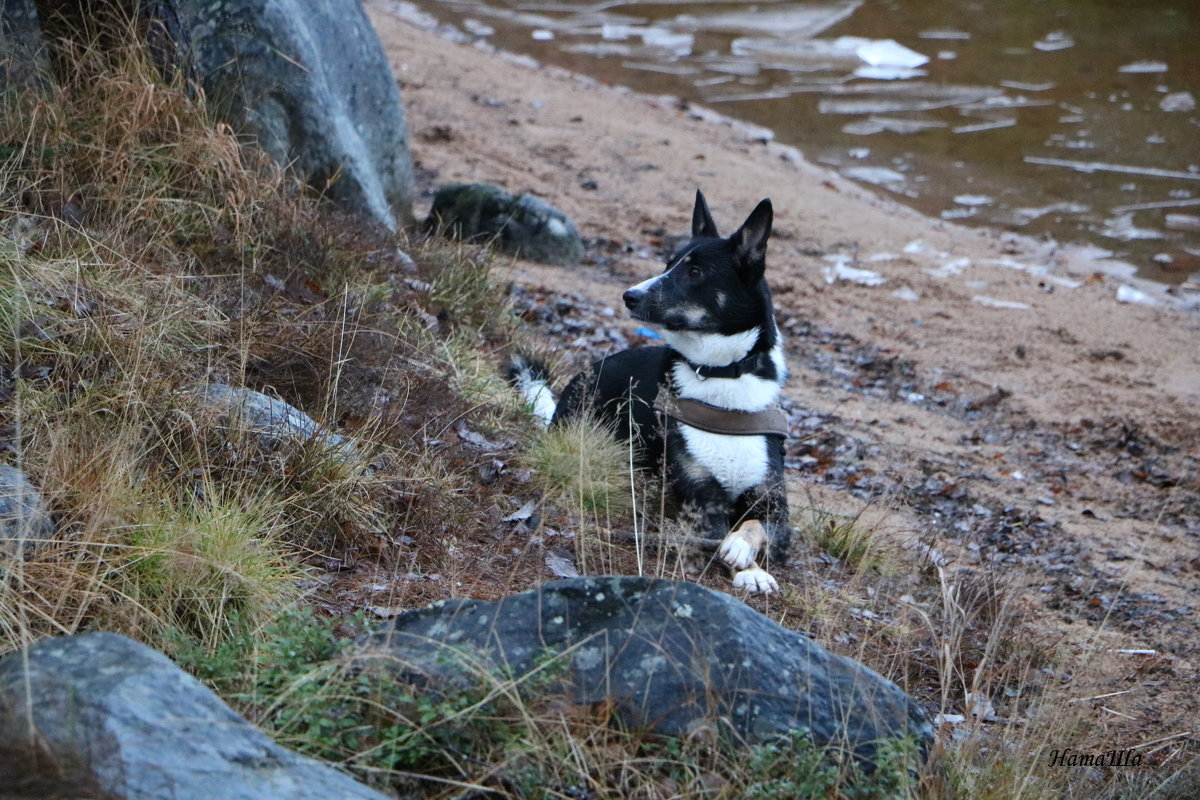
(755, 579)
(740, 548)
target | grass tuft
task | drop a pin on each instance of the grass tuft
(581, 465)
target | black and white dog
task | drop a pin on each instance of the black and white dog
(705, 406)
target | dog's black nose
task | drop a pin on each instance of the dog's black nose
(632, 297)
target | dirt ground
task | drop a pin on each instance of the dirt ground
(991, 397)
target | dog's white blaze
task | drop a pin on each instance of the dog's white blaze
(737, 462)
(645, 285)
(712, 349)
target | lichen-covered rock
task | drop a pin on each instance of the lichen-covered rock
(143, 729)
(671, 657)
(24, 517)
(521, 226)
(309, 82)
(273, 422)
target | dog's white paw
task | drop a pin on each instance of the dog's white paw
(755, 579)
(740, 548)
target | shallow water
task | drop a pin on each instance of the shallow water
(1075, 120)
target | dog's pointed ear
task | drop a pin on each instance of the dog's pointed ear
(750, 242)
(702, 221)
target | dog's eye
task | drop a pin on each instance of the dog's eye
(694, 272)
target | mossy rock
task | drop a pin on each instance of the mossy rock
(521, 225)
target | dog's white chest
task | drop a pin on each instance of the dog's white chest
(737, 462)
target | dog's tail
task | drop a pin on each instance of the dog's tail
(532, 380)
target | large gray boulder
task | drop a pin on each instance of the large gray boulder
(140, 728)
(24, 516)
(520, 225)
(671, 657)
(311, 83)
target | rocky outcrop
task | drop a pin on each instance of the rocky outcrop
(24, 517)
(123, 718)
(521, 226)
(310, 83)
(670, 657)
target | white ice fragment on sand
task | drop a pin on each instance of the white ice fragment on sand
(985, 126)
(1024, 86)
(892, 98)
(886, 72)
(1058, 40)
(542, 35)
(1128, 294)
(1039, 271)
(973, 200)
(949, 269)
(796, 22)
(992, 302)
(1183, 222)
(1100, 166)
(839, 269)
(874, 124)
(1178, 101)
(615, 33)
(876, 175)
(1142, 67)
(906, 294)
(961, 36)
(957, 213)
(477, 28)
(1122, 227)
(890, 53)
(1025, 215)
(915, 246)
(679, 44)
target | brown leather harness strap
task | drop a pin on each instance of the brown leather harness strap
(729, 422)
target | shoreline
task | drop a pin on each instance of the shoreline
(1079, 258)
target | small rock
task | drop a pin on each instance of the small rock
(273, 422)
(521, 225)
(24, 518)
